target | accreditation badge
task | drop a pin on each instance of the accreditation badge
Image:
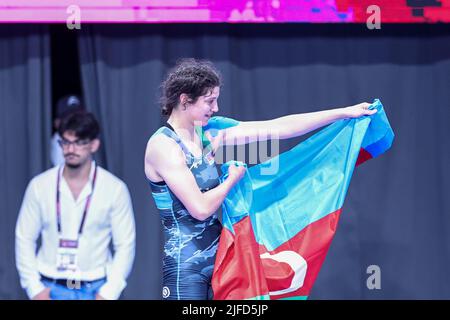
(67, 255)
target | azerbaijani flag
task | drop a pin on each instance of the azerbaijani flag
(277, 228)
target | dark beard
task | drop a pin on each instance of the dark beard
(73, 166)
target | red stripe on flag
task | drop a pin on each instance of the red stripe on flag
(363, 157)
(240, 273)
(312, 244)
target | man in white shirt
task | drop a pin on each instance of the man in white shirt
(77, 208)
(64, 106)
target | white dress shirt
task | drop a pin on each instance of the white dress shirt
(110, 217)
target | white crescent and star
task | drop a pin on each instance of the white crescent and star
(298, 265)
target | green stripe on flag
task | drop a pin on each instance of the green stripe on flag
(295, 298)
(263, 297)
(267, 297)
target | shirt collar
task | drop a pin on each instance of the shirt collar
(87, 189)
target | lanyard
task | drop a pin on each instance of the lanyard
(86, 207)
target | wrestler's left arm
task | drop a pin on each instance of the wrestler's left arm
(288, 126)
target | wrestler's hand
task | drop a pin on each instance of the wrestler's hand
(359, 110)
(236, 173)
(43, 295)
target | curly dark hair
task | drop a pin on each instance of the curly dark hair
(189, 76)
(82, 123)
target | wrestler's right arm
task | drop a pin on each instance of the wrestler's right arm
(165, 158)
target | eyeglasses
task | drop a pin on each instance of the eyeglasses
(78, 143)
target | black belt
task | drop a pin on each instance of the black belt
(69, 282)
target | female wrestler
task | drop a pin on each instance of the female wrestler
(179, 164)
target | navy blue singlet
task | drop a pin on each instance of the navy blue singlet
(190, 245)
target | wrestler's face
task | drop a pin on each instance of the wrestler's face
(77, 151)
(205, 106)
